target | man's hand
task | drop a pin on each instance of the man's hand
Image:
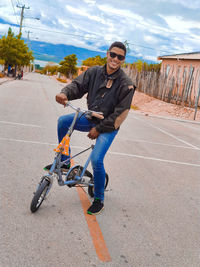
(93, 133)
(61, 99)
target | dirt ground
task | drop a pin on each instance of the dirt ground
(149, 105)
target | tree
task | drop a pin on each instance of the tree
(68, 66)
(13, 51)
(94, 61)
(50, 68)
(2, 62)
(139, 65)
(144, 66)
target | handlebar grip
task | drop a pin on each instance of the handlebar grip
(98, 116)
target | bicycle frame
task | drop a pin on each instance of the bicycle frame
(79, 179)
(57, 164)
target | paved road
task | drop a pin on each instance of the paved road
(152, 207)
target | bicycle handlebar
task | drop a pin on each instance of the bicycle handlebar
(92, 113)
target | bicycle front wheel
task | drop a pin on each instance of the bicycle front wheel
(39, 195)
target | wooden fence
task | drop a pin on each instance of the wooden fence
(183, 91)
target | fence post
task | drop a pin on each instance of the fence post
(170, 90)
(188, 85)
(178, 89)
(155, 85)
(190, 92)
(183, 88)
(161, 78)
(196, 102)
(165, 84)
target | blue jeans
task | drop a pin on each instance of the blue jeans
(102, 145)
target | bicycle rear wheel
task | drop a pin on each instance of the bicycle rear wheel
(76, 170)
(39, 195)
(91, 187)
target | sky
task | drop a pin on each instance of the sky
(150, 27)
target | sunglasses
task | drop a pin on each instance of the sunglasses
(113, 55)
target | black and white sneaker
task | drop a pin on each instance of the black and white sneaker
(96, 207)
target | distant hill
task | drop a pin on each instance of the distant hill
(56, 52)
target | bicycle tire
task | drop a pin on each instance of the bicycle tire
(39, 195)
(91, 187)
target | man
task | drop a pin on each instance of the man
(110, 91)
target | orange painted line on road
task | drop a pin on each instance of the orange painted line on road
(94, 228)
(95, 231)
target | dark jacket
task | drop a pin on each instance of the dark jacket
(110, 94)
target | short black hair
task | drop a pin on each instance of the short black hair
(119, 45)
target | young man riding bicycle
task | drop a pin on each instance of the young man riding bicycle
(109, 90)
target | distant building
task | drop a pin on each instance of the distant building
(37, 67)
(185, 68)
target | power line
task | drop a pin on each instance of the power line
(148, 47)
(75, 35)
(91, 38)
(18, 2)
(14, 10)
(64, 33)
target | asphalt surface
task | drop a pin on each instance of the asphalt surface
(152, 206)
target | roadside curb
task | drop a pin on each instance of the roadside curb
(164, 117)
(5, 80)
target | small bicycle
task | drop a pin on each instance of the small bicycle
(77, 175)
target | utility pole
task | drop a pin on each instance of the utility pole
(28, 38)
(127, 46)
(22, 16)
(28, 32)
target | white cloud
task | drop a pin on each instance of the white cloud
(188, 4)
(150, 39)
(151, 58)
(84, 13)
(90, 2)
(179, 24)
(170, 25)
(124, 13)
(63, 22)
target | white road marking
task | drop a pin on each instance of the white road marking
(156, 159)
(109, 152)
(167, 133)
(36, 142)
(155, 143)
(187, 126)
(27, 141)
(173, 119)
(21, 124)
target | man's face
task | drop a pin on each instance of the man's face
(113, 63)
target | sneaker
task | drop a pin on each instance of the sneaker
(96, 207)
(64, 167)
